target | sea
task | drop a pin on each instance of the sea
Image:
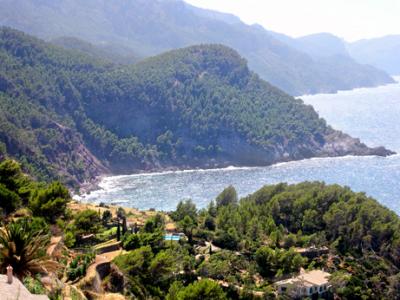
(371, 114)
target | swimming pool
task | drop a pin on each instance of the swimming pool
(172, 237)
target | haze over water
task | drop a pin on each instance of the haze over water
(372, 114)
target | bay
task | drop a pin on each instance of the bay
(372, 114)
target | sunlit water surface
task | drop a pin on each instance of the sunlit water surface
(372, 114)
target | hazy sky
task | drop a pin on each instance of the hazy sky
(349, 19)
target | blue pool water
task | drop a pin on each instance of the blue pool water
(171, 237)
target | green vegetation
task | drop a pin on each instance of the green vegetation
(276, 262)
(203, 289)
(23, 241)
(34, 285)
(152, 27)
(233, 249)
(78, 266)
(68, 116)
(24, 249)
(45, 201)
(14, 187)
(106, 217)
(108, 52)
(258, 241)
(87, 221)
(49, 202)
(227, 197)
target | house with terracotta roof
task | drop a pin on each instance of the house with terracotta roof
(306, 284)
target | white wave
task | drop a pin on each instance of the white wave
(119, 201)
(113, 183)
(162, 173)
(319, 159)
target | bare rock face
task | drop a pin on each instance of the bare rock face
(237, 152)
(341, 144)
(116, 282)
(70, 149)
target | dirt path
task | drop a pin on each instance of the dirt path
(92, 278)
(54, 243)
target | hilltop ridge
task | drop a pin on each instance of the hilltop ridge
(152, 27)
(67, 114)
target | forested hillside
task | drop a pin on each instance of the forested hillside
(152, 27)
(66, 114)
(110, 52)
(268, 227)
(233, 249)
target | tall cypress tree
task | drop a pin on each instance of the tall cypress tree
(124, 226)
(118, 231)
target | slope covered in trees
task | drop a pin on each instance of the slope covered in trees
(233, 249)
(152, 27)
(268, 228)
(247, 245)
(66, 113)
(108, 52)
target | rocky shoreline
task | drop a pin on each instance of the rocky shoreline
(339, 145)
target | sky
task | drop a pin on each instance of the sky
(348, 19)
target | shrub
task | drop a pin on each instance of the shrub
(131, 241)
(23, 248)
(203, 289)
(34, 285)
(87, 221)
(50, 202)
(227, 197)
(78, 266)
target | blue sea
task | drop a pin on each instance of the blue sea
(371, 114)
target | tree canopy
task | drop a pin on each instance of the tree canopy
(69, 116)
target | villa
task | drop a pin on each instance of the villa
(306, 284)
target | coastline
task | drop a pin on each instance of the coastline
(376, 176)
(94, 185)
(396, 80)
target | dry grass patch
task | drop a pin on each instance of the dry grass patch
(133, 215)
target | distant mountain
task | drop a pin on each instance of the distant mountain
(150, 27)
(382, 53)
(211, 14)
(332, 56)
(315, 45)
(63, 113)
(322, 45)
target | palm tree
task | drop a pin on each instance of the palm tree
(24, 249)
